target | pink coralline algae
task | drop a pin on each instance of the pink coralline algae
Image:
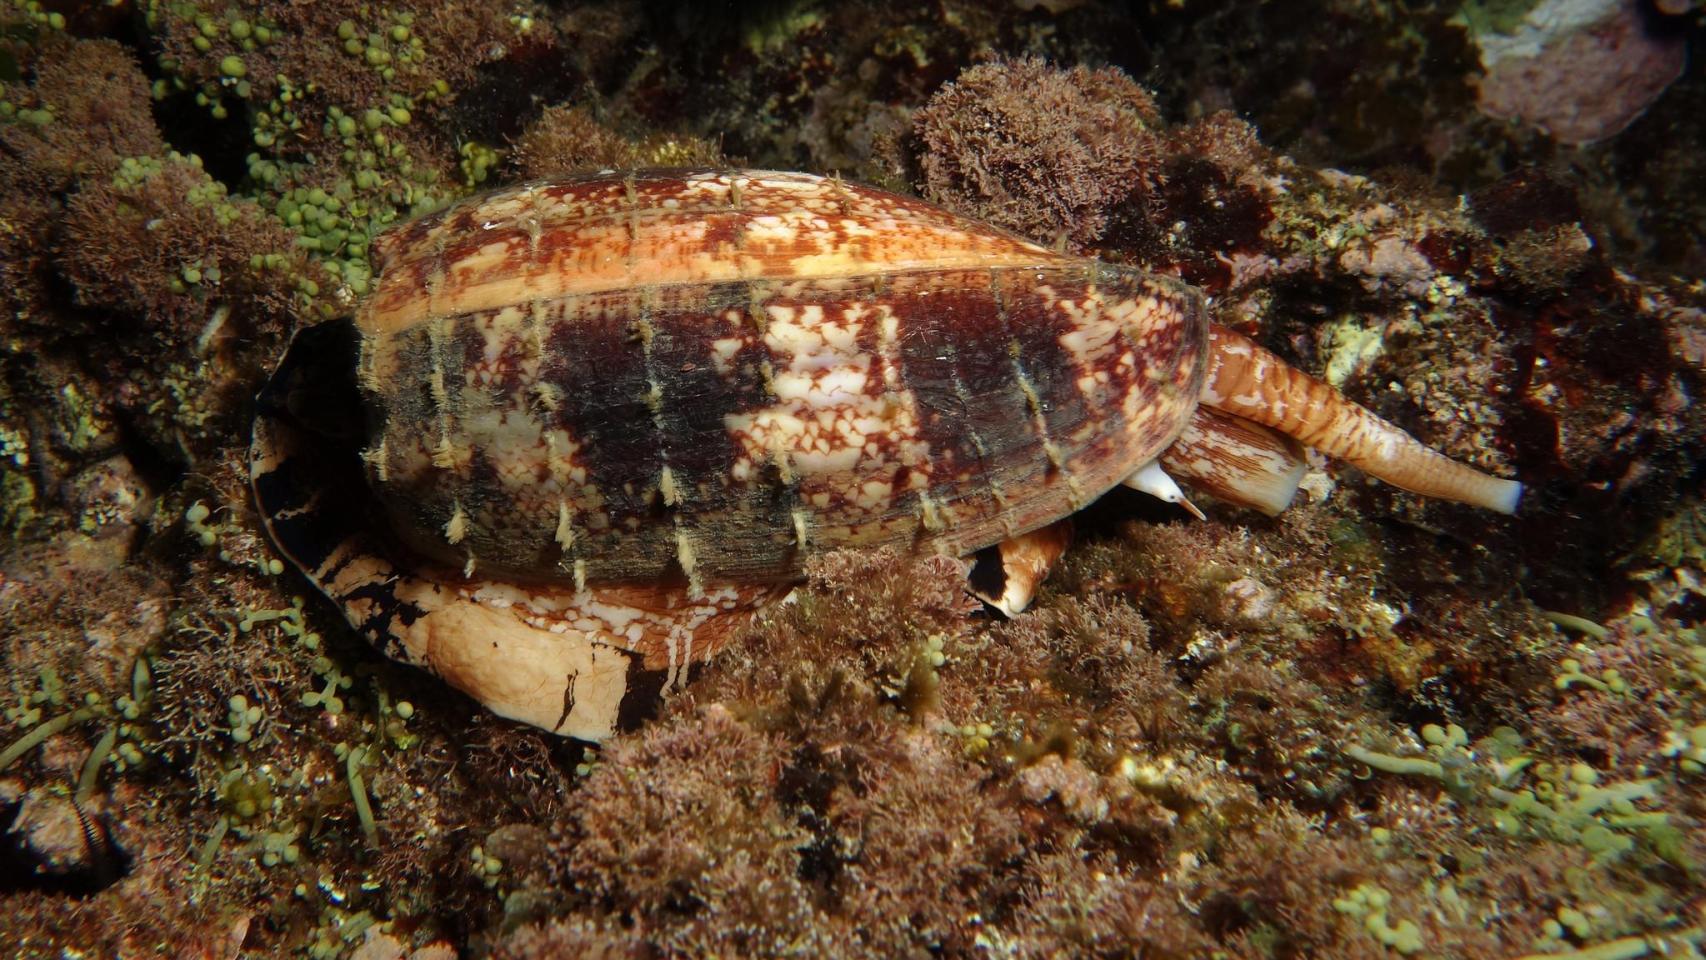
(1581, 70)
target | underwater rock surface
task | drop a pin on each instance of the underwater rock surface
(1373, 725)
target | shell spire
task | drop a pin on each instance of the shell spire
(1251, 382)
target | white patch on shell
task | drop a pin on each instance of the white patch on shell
(839, 417)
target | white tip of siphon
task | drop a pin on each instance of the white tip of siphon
(1151, 479)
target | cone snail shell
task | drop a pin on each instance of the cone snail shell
(582, 428)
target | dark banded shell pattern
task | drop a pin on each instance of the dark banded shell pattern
(716, 375)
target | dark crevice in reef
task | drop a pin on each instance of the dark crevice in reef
(222, 145)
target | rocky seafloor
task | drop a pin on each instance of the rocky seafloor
(1371, 726)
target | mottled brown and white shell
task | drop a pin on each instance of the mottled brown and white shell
(604, 418)
(625, 379)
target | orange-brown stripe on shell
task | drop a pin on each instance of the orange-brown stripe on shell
(625, 233)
